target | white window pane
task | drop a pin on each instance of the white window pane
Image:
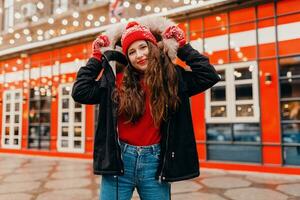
(16, 131)
(77, 131)
(244, 110)
(218, 111)
(243, 92)
(218, 93)
(242, 73)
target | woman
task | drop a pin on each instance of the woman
(145, 137)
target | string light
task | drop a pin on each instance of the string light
(47, 34)
(17, 35)
(148, 8)
(26, 31)
(87, 23)
(75, 14)
(63, 31)
(10, 30)
(186, 1)
(156, 9)
(51, 32)
(75, 23)
(40, 37)
(18, 15)
(29, 38)
(11, 41)
(113, 20)
(96, 23)
(64, 22)
(40, 5)
(102, 19)
(35, 18)
(40, 31)
(50, 20)
(126, 4)
(138, 6)
(90, 17)
(123, 20)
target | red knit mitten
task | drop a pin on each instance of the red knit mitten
(101, 41)
(176, 33)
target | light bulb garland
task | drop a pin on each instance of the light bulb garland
(90, 21)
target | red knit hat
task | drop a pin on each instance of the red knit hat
(134, 31)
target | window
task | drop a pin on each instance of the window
(59, 6)
(71, 130)
(232, 114)
(12, 115)
(235, 97)
(91, 1)
(8, 14)
(290, 108)
(39, 117)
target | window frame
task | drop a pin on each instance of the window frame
(8, 14)
(230, 84)
(12, 124)
(70, 124)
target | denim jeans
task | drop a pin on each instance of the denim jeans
(140, 165)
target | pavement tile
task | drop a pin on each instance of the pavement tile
(72, 167)
(34, 169)
(225, 182)
(64, 179)
(292, 189)
(68, 183)
(70, 174)
(197, 195)
(6, 171)
(275, 179)
(9, 165)
(185, 186)
(25, 177)
(18, 187)
(16, 196)
(39, 165)
(254, 194)
(67, 194)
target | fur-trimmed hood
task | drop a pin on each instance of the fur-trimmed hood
(157, 26)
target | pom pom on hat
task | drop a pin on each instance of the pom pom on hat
(131, 24)
(134, 32)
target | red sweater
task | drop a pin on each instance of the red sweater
(141, 133)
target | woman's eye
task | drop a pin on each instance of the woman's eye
(131, 53)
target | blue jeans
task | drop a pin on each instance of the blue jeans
(140, 165)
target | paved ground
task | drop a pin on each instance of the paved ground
(41, 178)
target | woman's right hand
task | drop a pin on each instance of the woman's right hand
(99, 42)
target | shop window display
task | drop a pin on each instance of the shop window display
(232, 114)
(290, 109)
(71, 122)
(39, 118)
(12, 113)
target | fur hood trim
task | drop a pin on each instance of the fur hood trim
(157, 26)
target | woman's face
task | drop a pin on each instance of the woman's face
(138, 55)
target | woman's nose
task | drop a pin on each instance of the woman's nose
(139, 53)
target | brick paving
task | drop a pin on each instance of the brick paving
(42, 178)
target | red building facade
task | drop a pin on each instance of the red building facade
(248, 121)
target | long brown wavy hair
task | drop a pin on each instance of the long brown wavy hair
(160, 78)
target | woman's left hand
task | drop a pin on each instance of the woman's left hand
(176, 33)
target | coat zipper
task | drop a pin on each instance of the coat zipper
(165, 157)
(118, 145)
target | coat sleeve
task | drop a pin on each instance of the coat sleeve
(86, 90)
(202, 75)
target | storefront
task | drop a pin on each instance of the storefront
(250, 120)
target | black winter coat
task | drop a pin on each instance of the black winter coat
(179, 158)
